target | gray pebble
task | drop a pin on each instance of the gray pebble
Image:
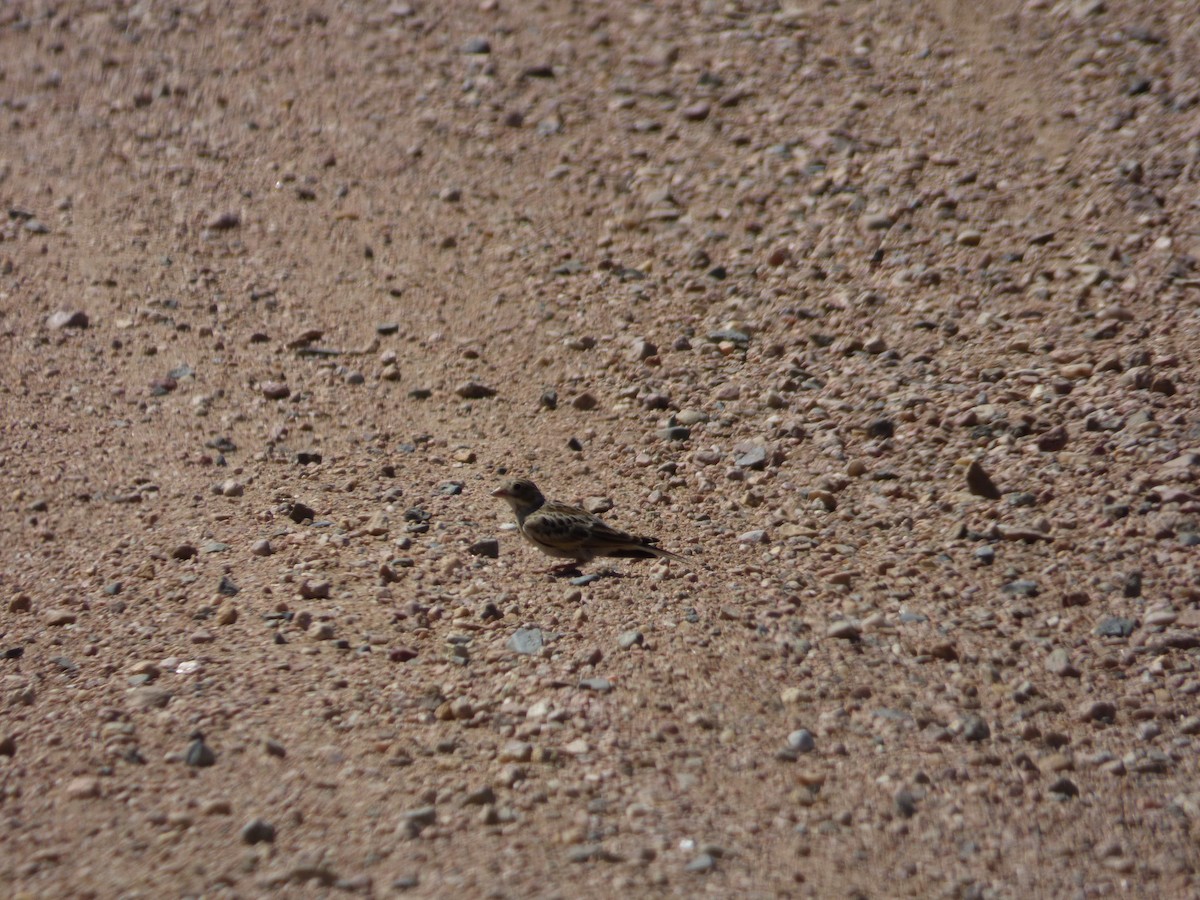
(1116, 626)
(975, 729)
(257, 831)
(702, 864)
(1059, 663)
(629, 639)
(526, 641)
(802, 741)
(488, 547)
(199, 754)
(755, 458)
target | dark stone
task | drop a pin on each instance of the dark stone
(258, 831)
(199, 754)
(488, 547)
(881, 428)
(980, 483)
(300, 513)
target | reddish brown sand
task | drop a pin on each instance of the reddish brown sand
(348, 255)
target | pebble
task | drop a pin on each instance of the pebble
(258, 831)
(980, 483)
(8, 745)
(755, 458)
(1116, 626)
(1020, 588)
(275, 390)
(757, 536)
(488, 547)
(1097, 711)
(701, 865)
(526, 641)
(85, 787)
(1064, 787)
(59, 320)
(58, 617)
(199, 754)
(674, 433)
(844, 629)
(1059, 663)
(801, 741)
(629, 639)
(474, 390)
(261, 547)
(599, 685)
(975, 729)
(584, 402)
(1053, 440)
(906, 803)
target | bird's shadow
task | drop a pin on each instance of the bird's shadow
(579, 579)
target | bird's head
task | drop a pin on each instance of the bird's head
(521, 494)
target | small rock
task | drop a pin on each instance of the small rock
(1053, 440)
(629, 639)
(488, 547)
(315, 590)
(1097, 711)
(757, 536)
(8, 745)
(83, 788)
(1021, 588)
(199, 754)
(599, 685)
(57, 617)
(906, 804)
(223, 221)
(674, 433)
(1059, 663)
(262, 548)
(975, 729)
(184, 551)
(227, 616)
(258, 831)
(844, 629)
(701, 865)
(755, 458)
(584, 402)
(526, 641)
(1064, 787)
(275, 390)
(473, 390)
(60, 320)
(980, 483)
(802, 741)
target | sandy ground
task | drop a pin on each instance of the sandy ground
(882, 314)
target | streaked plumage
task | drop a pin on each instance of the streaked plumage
(568, 532)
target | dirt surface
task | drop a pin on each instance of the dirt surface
(882, 314)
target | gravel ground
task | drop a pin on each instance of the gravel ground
(884, 315)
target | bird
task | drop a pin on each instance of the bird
(568, 532)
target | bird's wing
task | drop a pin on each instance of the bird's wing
(568, 528)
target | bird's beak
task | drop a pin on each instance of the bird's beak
(501, 492)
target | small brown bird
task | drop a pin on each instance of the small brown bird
(568, 532)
